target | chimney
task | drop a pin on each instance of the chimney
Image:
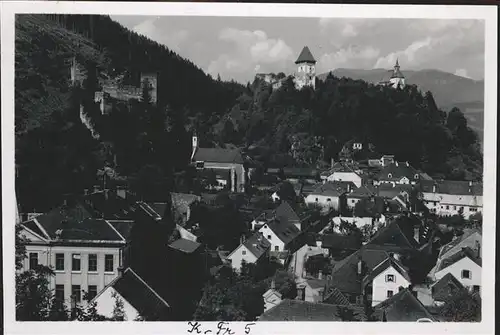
(478, 249)
(195, 145)
(397, 164)
(348, 188)
(396, 256)
(470, 186)
(106, 194)
(360, 267)
(434, 188)
(407, 164)
(273, 285)
(332, 162)
(319, 243)
(242, 239)
(320, 275)
(416, 234)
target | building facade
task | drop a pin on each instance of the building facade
(306, 70)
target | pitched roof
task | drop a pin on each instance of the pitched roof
(218, 155)
(286, 231)
(465, 252)
(466, 239)
(141, 296)
(257, 245)
(403, 306)
(339, 241)
(317, 283)
(393, 237)
(333, 188)
(305, 56)
(124, 227)
(396, 171)
(298, 310)
(185, 245)
(446, 287)
(362, 192)
(384, 265)
(389, 191)
(74, 223)
(345, 276)
(285, 212)
(335, 297)
(451, 187)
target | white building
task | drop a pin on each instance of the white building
(449, 198)
(465, 266)
(329, 195)
(351, 176)
(279, 232)
(84, 252)
(140, 301)
(387, 279)
(250, 251)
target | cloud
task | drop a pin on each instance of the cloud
(412, 55)
(352, 56)
(250, 51)
(349, 31)
(173, 39)
(461, 73)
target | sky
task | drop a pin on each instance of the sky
(239, 47)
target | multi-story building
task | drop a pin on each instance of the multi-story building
(306, 69)
(84, 252)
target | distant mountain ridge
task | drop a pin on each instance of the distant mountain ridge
(449, 90)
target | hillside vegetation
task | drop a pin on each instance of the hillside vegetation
(319, 123)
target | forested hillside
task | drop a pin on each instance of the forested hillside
(405, 123)
(55, 153)
(150, 143)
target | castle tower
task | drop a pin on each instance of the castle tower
(397, 79)
(306, 69)
(152, 81)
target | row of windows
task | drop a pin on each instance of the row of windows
(75, 262)
(76, 292)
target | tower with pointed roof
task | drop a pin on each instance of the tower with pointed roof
(306, 69)
(397, 79)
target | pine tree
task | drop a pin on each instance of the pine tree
(118, 309)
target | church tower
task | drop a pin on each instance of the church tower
(397, 79)
(306, 69)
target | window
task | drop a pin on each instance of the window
(466, 274)
(316, 199)
(353, 201)
(108, 263)
(447, 207)
(476, 288)
(33, 260)
(59, 292)
(200, 165)
(268, 237)
(328, 199)
(276, 248)
(389, 175)
(75, 262)
(76, 293)
(454, 208)
(390, 293)
(390, 279)
(59, 262)
(243, 252)
(92, 292)
(473, 209)
(92, 263)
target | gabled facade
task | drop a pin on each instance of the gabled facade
(224, 159)
(84, 252)
(250, 251)
(279, 233)
(465, 266)
(398, 173)
(330, 194)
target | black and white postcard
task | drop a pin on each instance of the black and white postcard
(224, 169)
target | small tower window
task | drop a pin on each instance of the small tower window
(389, 175)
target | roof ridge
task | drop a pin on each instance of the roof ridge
(146, 284)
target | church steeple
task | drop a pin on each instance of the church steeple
(397, 79)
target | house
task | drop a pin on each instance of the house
(218, 158)
(345, 174)
(386, 279)
(400, 236)
(298, 310)
(347, 275)
(84, 252)
(403, 307)
(271, 298)
(283, 212)
(140, 301)
(338, 244)
(445, 288)
(330, 194)
(465, 266)
(448, 197)
(470, 238)
(363, 192)
(251, 250)
(383, 161)
(398, 173)
(279, 232)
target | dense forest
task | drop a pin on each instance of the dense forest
(150, 143)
